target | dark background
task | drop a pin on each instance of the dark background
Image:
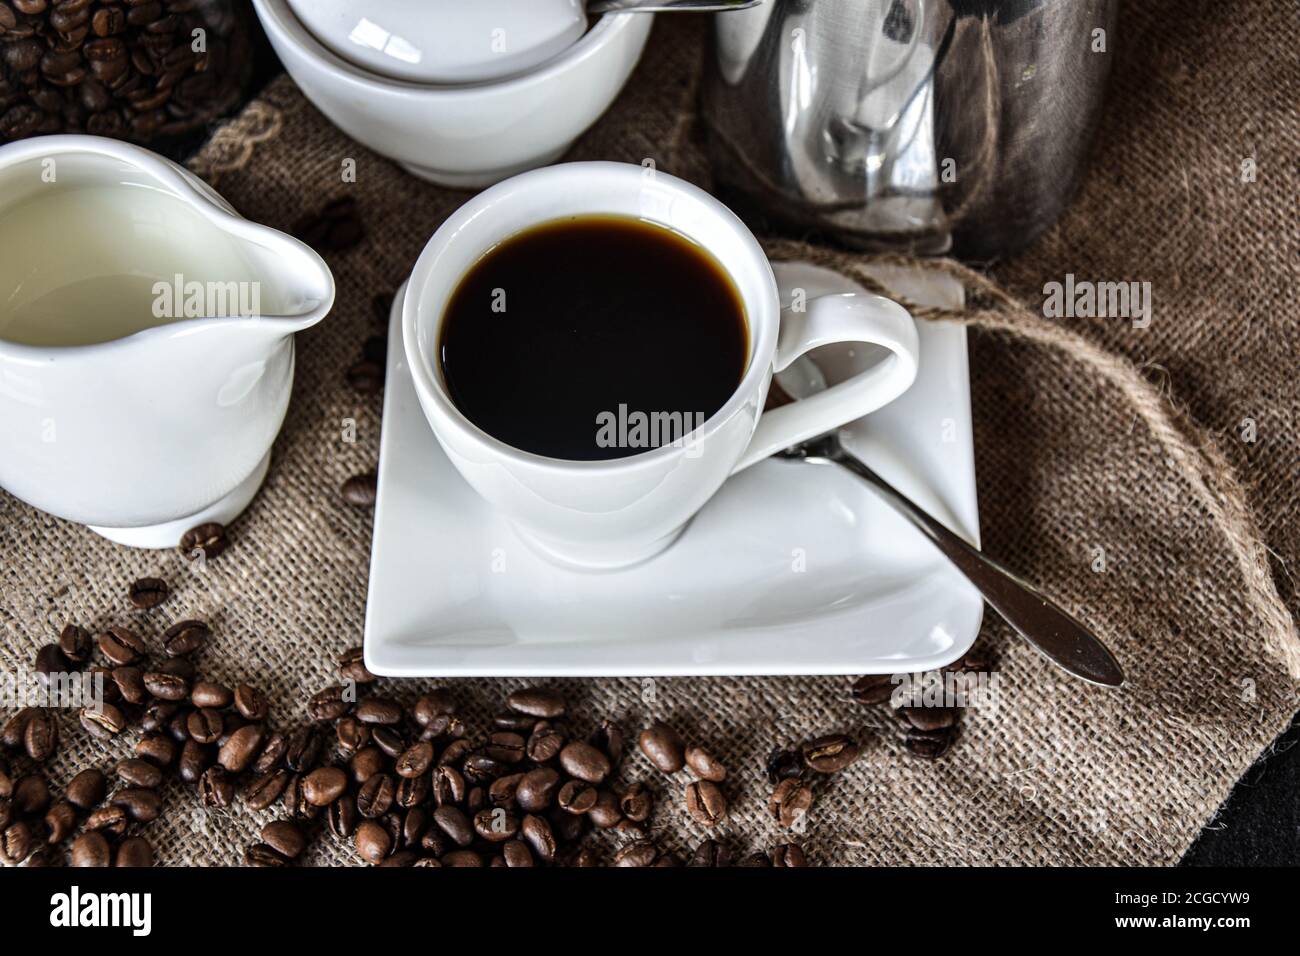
(1259, 825)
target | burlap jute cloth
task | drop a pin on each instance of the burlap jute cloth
(1113, 468)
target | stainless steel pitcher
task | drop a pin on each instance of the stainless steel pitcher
(930, 126)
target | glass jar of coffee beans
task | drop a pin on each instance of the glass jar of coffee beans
(141, 70)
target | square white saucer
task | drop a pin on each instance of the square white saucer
(790, 569)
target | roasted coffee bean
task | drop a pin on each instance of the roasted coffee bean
(91, 849)
(108, 721)
(158, 716)
(637, 803)
(436, 703)
(31, 795)
(790, 801)
(360, 490)
(134, 851)
(60, 821)
(265, 789)
(480, 768)
(505, 746)
(755, 859)
(130, 684)
(605, 812)
(536, 832)
(185, 638)
(166, 686)
(415, 822)
(195, 760)
(461, 858)
(75, 643)
(110, 819)
(545, 742)
(585, 857)
(148, 592)
(15, 727)
(271, 755)
(295, 799)
(328, 704)
(285, 837)
(389, 740)
(324, 786)
(86, 789)
(448, 786)
(378, 710)
(158, 749)
(637, 853)
(475, 800)
(341, 816)
(577, 797)
(830, 754)
(216, 789)
(567, 827)
(251, 703)
(415, 760)
(536, 789)
(208, 539)
(241, 748)
(930, 746)
(661, 744)
(453, 822)
(584, 761)
(304, 750)
(789, 855)
(375, 798)
(368, 378)
(50, 659)
(784, 765)
(205, 725)
(710, 853)
(206, 693)
(704, 765)
(609, 738)
(706, 803)
(352, 735)
(141, 804)
(135, 772)
(517, 723)
(41, 736)
(874, 688)
(120, 646)
(496, 825)
(352, 667)
(373, 841)
(365, 763)
(928, 719)
(108, 21)
(259, 854)
(537, 702)
(412, 790)
(516, 854)
(18, 842)
(501, 792)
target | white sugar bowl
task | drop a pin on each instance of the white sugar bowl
(465, 135)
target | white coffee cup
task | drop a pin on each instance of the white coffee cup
(605, 514)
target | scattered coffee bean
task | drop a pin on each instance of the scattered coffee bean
(50, 659)
(706, 803)
(185, 638)
(710, 853)
(285, 837)
(110, 819)
(265, 789)
(830, 754)
(789, 855)
(75, 643)
(205, 725)
(91, 849)
(352, 667)
(87, 789)
(928, 719)
(324, 786)
(41, 736)
(704, 765)
(328, 704)
(135, 772)
(120, 646)
(537, 702)
(166, 686)
(661, 744)
(216, 789)
(931, 745)
(584, 761)
(375, 798)
(577, 797)
(373, 841)
(544, 743)
(134, 851)
(790, 801)
(108, 721)
(207, 539)
(148, 592)
(453, 822)
(251, 703)
(638, 853)
(259, 854)
(360, 490)
(415, 760)
(536, 789)
(241, 747)
(60, 821)
(210, 694)
(637, 803)
(874, 688)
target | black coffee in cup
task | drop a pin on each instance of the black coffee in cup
(593, 337)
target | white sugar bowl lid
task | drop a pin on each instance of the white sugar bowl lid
(442, 42)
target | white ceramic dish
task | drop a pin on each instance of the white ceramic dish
(444, 41)
(454, 592)
(465, 136)
(144, 436)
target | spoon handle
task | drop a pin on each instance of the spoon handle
(1052, 631)
(668, 6)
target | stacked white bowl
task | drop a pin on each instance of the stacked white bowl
(460, 93)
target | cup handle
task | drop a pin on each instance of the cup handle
(846, 317)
